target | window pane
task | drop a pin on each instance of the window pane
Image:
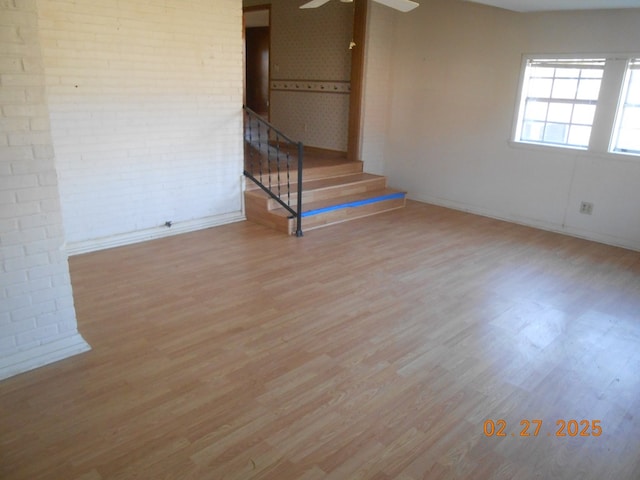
(579, 135)
(542, 72)
(558, 102)
(630, 129)
(536, 111)
(634, 88)
(631, 117)
(560, 112)
(532, 131)
(629, 141)
(583, 114)
(627, 129)
(566, 72)
(592, 73)
(540, 87)
(555, 133)
(565, 88)
(588, 89)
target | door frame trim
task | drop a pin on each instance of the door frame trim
(357, 78)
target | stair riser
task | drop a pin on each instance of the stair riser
(333, 192)
(309, 174)
(256, 212)
(346, 214)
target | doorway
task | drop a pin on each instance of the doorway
(257, 74)
(257, 36)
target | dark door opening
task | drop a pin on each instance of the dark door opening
(257, 40)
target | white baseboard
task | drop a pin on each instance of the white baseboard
(42, 355)
(76, 248)
(550, 227)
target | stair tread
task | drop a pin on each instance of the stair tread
(316, 171)
(346, 200)
(324, 183)
(329, 182)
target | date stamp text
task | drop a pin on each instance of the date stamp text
(534, 427)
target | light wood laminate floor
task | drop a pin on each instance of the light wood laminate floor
(377, 349)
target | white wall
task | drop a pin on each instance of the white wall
(145, 102)
(378, 77)
(455, 76)
(37, 315)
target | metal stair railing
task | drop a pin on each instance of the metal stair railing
(267, 162)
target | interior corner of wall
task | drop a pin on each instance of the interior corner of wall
(42, 355)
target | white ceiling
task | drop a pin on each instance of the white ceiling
(549, 5)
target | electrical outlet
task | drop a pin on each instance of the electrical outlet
(586, 208)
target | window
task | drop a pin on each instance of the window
(559, 101)
(582, 103)
(627, 130)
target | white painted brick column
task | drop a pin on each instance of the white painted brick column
(37, 316)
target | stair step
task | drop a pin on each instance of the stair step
(393, 195)
(330, 211)
(332, 170)
(313, 171)
(256, 211)
(320, 214)
(325, 188)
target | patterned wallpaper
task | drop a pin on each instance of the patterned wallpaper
(317, 119)
(310, 49)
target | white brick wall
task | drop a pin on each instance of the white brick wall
(145, 102)
(37, 317)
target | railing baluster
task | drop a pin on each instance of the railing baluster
(269, 156)
(288, 179)
(248, 123)
(278, 162)
(259, 153)
(299, 212)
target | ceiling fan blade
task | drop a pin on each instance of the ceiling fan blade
(314, 4)
(401, 5)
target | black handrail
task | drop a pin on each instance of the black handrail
(267, 148)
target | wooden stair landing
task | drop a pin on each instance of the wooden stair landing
(334, 191)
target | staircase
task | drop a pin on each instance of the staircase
(334, 190)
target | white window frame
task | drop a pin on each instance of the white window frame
(607, 107)
(632, 64)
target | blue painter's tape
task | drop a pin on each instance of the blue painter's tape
(358, 203)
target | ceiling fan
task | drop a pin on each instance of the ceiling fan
(401, 5)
